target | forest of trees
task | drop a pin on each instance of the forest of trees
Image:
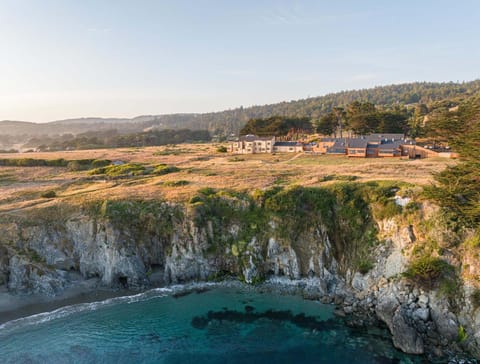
(408, 95)
(364, 118)
(111, 139)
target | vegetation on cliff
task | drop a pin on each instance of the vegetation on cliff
(457, 188)
(343, 211)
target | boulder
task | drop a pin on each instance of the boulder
(386, 306)
(405, 337)
(421, 314)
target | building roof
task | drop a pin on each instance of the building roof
(385, 136)
(339, 147)
(390, 145)
(357, 143)
(251, 138)
(287, 144)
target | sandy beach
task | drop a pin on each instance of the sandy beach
(13, 306)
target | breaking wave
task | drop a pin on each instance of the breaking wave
(61, 312)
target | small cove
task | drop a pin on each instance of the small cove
(206, 323)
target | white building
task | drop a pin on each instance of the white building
(252, 144)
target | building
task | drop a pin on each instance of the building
(339, 146)
(288, 147)
(390, 148)
(366, 146)
(357, 147)
(323, 145)
(252, 144)
(418, 152)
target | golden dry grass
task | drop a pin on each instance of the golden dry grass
(201, 166)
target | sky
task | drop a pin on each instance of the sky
(122, 58)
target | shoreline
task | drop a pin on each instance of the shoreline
(14, 307)
(17, 306)
(24, 308)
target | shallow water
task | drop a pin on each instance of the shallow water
(195, 324)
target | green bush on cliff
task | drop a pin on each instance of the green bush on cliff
(364, 266)
(140, 217)
(475, 297)
(380, 195)
(428, 270)
(298, 207)
(225, 208)
(341, 209)
(462, 334)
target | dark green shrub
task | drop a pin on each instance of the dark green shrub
(207, 191)
(98, 163)
(49, 194)
(365, 266)
(176, 183)
(412, 207)
(236, 159)
(134, 169)
(476, 298)
(427, 270)
(162, 169)
(222, 149)
(331, 177)
(386, 210)
(75, 166)
(56, 162)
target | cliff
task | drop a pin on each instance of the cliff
(354, 242)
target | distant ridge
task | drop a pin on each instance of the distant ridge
(231, 121)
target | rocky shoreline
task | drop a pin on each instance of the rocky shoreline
(356, 313)
(165, 244)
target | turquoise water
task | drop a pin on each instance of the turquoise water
(200, 324)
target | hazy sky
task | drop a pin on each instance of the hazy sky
(71, 58)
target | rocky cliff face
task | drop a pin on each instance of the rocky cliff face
(135, 244)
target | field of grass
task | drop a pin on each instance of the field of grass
(190, 168)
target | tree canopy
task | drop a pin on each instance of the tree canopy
(457, 188)
(277, 126)
(111, 139)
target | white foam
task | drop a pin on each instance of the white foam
(288, 282)
(92, 306)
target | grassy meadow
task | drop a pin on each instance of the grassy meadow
(177, 172)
